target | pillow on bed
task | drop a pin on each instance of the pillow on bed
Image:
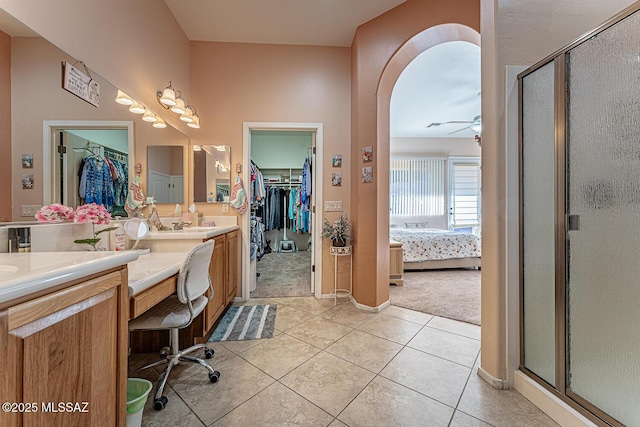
(416, 224)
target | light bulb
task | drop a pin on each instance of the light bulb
(148, 116)
(168, 96)
(196, 122)
(136, 108)
(179, 107)
(159, 124)
(123, 98)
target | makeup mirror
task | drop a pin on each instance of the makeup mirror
(211, 173)
(136, 229)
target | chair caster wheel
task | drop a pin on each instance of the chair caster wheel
(164, 352)
(208, 353)
(214, 377)
(159, 404)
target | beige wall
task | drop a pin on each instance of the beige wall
(514, 33)
(5, 127)
(38, 96)
(374, 45)
(236, 82)
(136, 45)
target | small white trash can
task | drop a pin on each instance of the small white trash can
(137, 391)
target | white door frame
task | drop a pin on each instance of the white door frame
(316, 245)
(48, 140)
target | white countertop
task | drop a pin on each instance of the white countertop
(24, 273)
(190, 233)
(151, 269)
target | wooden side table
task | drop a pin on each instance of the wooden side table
(340, 251)
(396, 264)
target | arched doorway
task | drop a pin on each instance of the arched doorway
(415, 46)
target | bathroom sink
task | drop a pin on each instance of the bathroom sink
(8, 268)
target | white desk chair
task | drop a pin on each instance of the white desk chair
(177, 312)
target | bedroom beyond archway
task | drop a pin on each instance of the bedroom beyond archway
(428, 113)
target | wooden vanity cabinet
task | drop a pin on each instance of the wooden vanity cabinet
(67, 347)
(224, 271)
(233, 265)
(217, 273)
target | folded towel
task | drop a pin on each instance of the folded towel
(238, 198)
(135, 198)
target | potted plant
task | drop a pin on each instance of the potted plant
(339, 232)
(93, 214)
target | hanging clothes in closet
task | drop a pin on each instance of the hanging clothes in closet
(96, 182)
(257, 185)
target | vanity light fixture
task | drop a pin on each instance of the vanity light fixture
(159, 124)
(149, 116)
(167, 97)
(188, 114)
(196, 122)
(179, 108)
(173, 100)
(123, 98)
(136, 108)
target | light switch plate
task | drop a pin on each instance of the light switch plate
(333, 206)
(30, 210)
(225, 208)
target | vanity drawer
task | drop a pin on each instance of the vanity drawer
(143, 301)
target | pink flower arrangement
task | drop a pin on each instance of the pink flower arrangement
(55, 213)
(92, 213)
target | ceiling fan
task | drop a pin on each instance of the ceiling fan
(474, 125)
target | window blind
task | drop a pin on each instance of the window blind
(465, 199)
(417, 187)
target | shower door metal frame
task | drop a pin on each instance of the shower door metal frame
(561, 209)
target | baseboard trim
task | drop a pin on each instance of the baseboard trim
(494, 382)
(362, 306)
(551, 405)
(371, 309)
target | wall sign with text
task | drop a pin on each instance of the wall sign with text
(80, 84)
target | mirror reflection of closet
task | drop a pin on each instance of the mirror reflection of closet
(165, 176)
(211, 173)
(90, 152)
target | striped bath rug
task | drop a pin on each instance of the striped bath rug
(246, 322)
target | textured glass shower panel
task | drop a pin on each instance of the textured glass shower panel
(604, 190)
(538, 222)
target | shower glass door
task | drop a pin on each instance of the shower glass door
(538, 247)
(603, 250)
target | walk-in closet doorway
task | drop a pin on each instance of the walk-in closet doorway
(291, 246)
(65, 143)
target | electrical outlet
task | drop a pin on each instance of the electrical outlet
(30, 210)
(333, 206)
(225, 208)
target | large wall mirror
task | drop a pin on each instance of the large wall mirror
(211, 173)
(81, 131)
(165, 174)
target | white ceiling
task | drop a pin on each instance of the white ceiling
(440, 85)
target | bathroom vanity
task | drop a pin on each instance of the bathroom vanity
(63, 339)
(224, 271)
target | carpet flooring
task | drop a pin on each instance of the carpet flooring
(451, 293)
(284, 274)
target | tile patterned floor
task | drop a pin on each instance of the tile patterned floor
(338, 366)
